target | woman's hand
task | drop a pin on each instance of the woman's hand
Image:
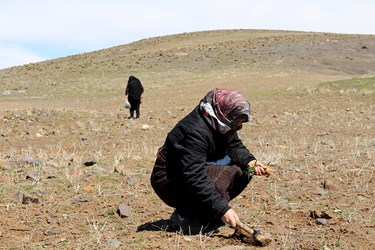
(260, 168)
(230, 218)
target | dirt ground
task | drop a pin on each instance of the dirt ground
(66, 164)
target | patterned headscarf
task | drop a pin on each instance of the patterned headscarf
(222, 107)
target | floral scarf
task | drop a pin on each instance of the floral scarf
(221, 107)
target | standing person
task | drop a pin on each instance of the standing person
(203, 164)
(134, 91)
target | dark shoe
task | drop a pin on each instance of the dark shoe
(130, 117)
(188, 224)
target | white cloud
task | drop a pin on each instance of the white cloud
(17, 56)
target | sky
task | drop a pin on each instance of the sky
(38, 30)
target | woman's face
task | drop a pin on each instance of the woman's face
(237, 124)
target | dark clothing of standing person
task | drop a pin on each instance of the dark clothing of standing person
(203, 164)
(134, 91)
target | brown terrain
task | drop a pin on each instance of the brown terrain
(69, 157)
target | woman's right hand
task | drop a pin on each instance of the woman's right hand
(260, 168)
(230, 218)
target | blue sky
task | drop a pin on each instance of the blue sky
(38, 30)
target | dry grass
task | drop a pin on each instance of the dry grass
(319, 139)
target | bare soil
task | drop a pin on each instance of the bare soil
(69, 156)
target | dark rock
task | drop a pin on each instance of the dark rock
(25, 198)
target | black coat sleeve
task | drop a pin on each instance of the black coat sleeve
(192, 153)
(127, 89)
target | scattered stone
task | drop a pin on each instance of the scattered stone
(132, 180)
(329, 185)
(25, 198)
(145, 127)
(360, 197)
(38, 135)
(124, 210)
(321, 217)
(52, 232)
(113, 244)
(99, 170)
(83, 198)
(34, 176)
(321, 221)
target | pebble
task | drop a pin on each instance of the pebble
(34, 176)
(113, 244)
(145, 127)
(329, 185)
(321, 221)
(83, 198)
(124, 210)
(133, 179)
(52, 232)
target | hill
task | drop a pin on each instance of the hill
(69, 156)
(222, 57)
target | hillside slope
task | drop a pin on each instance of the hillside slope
(202, 57)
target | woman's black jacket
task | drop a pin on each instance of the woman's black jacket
(134, 89)
(192, 143)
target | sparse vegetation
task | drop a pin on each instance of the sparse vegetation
(363, 85)
(312, 97)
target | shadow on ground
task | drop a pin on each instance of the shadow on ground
(160, 225)
(168, 226)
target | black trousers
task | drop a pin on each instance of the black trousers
(229, 181)
(134, 106)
